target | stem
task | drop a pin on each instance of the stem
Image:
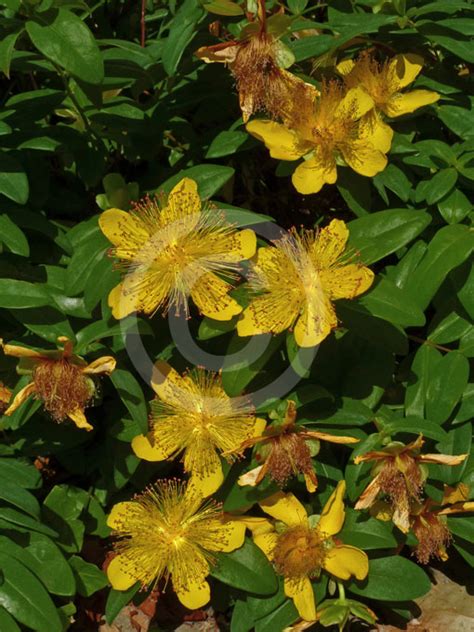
(142, 25)
(342, 591)
(429, 343)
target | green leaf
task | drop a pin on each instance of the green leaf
(227, 143)
(246, 568)
(441, 184)
(379, 234)
(392, 578)
(89, 578)
(13, 237)
(20, 472)
(131, 394)
(118, 599)
(368, 533)
(454, 207)
(391, 303)
(13, 179)
(311, 46)
(16, 294)
(63, 38)
(7, 622)
(458, 441)
(279, 619)
(449, 248)
(7, 46)
(24, 522)
(459, 120)
(51, 565)
(446, 386)
(223, 7)
(20, 498)
(448, 39)
(423, 366)
(416, 425)
(24, 597)
(182, 32)
(210, 178)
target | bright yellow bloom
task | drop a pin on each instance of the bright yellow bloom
(194, 415)
(385, 82)
(398, 473)
(297, 280)
(60, 379)
(334, 130)
(302, 551)
(285, 450)
(172, 249)
(167, 532)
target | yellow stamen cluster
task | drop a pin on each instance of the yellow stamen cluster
(299, 552)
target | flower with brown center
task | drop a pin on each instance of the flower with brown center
(60, 379)
(256, 63)
(398, 474)
(285, 450)
(301, 551)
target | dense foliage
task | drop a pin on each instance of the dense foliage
(341, 135)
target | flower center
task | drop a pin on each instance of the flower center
(289, 456)
(62, 387)
(299, 552)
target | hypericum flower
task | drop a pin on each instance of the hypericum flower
(285, 450)
(385, 81)
(297, 279)
(172, 248)
(257, 65)
(301, 551)
(194, 415)
(399, 474)
(167, 532)
(5, 396)
(332, 132)
(61, 380)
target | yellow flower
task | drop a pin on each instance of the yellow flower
(398, 473)
(285, 451)
(167, 532)
(5, 396)
(297, 280)
(194, 415)
(384, 82)
(301, 551)
(333, 131)
(172, 249)
(60, 379)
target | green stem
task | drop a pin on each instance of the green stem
(342, 592)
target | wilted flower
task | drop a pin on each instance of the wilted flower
(257, 63)
(331, 131)
(60, 379)
(296, 280)
(398, 473)
(5, 396)
(301, 551)
(194, 415)
(167, 532)
(285, 450)
(172, 249)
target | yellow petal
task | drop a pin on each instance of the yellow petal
(211, 295)
(315, 323)
(126, 232)
(311, 175)
(118, 576)
(233, 533)
(259, 427)
(406, 68)
(196, 594)
(311, 482)
(118, 514)
(442, 459)
(220, 53)
(240, 245)
(166, 382)
(151, 450)
(330, 244)
(347, 281)
(285, 507)
(206, 484)
(256, 525)
(369, 495)
(264, 315)
(19, 398)
(283, 143)
(251, 477)
(333, 514)
(122, 303)
(266, 542)
(364, 158)
(401, 104)
(301, 591)
(21, 352)
(355, 104)
(376, 132)
(105, 364)
(183, 205)
(324, 436)
(345, 66)
(344, 561)
(79, 418)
